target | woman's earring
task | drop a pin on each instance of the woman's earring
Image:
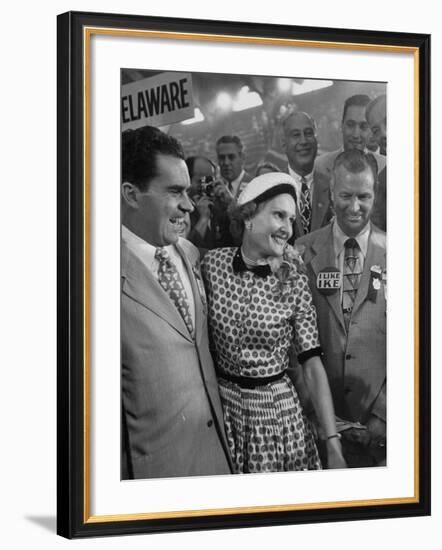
(248, 225)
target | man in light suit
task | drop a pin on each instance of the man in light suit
(351, 307)
(312, 188)
(171, 413)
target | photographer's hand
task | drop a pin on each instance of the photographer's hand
(203, 206)
(222, 193)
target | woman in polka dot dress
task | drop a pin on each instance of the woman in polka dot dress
(259, 304)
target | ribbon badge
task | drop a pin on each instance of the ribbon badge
(378, 276)
(200, 285)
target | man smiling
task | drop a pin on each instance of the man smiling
(346, 265)
(312, 189)
(171, 414)
(355, 133)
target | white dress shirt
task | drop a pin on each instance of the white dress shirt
(145, 252)
(298, 184)
(234, 185)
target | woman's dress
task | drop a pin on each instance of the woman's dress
(253, 321)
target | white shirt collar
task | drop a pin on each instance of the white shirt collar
(142, 249)
(234, 184)
(339, 238)
(298, 180)
(145, 252)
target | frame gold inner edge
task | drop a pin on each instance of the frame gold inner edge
(87, 33)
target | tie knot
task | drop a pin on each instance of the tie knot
(351, 243)
(161, 254)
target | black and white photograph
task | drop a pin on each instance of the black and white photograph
(223, 194)
(253, 274)
(197, 350)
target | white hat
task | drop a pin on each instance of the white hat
(266, 186)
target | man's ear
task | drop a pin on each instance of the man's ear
(130, 194)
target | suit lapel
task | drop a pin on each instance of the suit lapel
(320, 204)
(298, 229)
(139, 283)
(299, 232)
(375, 255)
(320, 200)
(193, 274)
(325, 257)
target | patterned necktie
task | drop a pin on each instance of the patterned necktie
(352, 276)
(170, 280)
(305, 207)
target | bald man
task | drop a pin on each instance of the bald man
(312, 188)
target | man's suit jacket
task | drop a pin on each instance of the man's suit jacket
(321, 208)
(172, 416)
(355, 360)
(379, 214)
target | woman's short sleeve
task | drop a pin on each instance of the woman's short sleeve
(304, 320)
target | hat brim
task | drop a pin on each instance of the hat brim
(280, 189)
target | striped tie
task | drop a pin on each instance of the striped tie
(170, 280)
(352, 276)
(305, 207)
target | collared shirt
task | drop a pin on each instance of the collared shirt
(339, 238)
(298, 183)
(145, 252)
(234, 185)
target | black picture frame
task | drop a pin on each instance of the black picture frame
(73, 508)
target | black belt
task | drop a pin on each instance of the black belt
(249, 382)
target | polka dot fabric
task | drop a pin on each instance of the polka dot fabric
(252, 325)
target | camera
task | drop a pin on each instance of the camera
(206, 186)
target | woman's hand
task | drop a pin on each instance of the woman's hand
(335, 458)
(319, 390)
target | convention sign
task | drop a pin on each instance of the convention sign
(157, 101)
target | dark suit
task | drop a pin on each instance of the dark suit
(321, 206)
(355, 360)
(172, 418)
(379, 214)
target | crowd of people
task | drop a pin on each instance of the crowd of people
(254, 305)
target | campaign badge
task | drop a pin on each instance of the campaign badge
(201, 289)
(375, 282)
(329, 280)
